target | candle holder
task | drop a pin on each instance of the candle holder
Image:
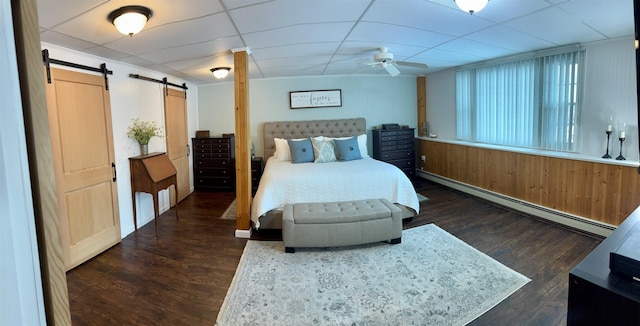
(620, 157)
(606, 155)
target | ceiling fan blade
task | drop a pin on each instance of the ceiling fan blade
(412, 64)
(392, 70)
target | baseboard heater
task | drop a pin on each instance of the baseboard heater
(573, 221)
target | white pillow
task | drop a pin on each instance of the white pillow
(283, 152)
(362, 144)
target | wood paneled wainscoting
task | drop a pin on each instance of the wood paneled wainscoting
(592, 193)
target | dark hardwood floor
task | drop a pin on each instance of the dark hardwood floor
(181, 278)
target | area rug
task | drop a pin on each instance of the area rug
(230, 213)
(431, 278)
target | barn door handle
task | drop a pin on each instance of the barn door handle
(115, 175)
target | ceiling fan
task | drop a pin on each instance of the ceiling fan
(385, 60)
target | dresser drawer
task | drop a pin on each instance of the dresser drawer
(409, 142)
(211, 162)
(410, 172)
(403, 163)
(209, 154)
(214, 182)
(406, 136)
(396, 147)
(203, 141)
(393, 155)
(212, 172)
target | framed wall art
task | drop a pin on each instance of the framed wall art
(315, 99)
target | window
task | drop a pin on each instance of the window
(527, 103)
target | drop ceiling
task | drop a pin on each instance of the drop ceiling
(187, 38)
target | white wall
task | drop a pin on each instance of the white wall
(133, 98)
(610, 90)
(379, 99)
(21, 297)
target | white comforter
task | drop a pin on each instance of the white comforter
(287, 183)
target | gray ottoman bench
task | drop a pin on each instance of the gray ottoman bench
(340, 223)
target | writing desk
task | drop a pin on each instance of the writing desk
(151, 173)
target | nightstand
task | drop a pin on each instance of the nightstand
(257, 166)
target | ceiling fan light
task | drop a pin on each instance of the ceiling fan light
(130, 20)
(220, 72)
(471, 6)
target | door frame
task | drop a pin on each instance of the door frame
(43, 188)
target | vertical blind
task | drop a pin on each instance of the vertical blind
(526, 103)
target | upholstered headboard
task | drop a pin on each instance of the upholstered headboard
(310, 128)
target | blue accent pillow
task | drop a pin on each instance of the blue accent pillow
(301, 150)
(347, 149)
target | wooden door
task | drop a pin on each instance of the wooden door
(83, 158)
(175, 115)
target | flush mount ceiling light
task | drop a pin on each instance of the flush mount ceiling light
(471, 6)
(220, 72)
(130, 20)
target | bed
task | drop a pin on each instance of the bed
(284, 182)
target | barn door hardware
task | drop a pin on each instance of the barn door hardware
(48, 61)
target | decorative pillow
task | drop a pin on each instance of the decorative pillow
(323, 150)
(347, 149)
(362, 144)
(283, 152)
(301, 150)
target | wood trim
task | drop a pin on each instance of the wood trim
(243, 139)
(602, 192)
(421, 83)
(40, 161)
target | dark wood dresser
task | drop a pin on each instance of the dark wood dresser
(214, 163)
(598, 297)
(396, 146)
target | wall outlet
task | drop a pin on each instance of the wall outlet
(423, 158)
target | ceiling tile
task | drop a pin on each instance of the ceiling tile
(296, 50)
(424, 15)
(558, 27)
(52, 13)
(612, 18)
(208, 48)
(65, 40)
(503, 36)
(386, 35)
(176, 34)
(277, 14)
(303, 34)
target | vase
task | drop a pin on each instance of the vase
(144, 149)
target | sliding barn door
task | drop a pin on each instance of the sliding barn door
(83, 156)
(175, 114)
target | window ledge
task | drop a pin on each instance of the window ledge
(563, 155)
